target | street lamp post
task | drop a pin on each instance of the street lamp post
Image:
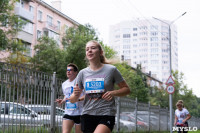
(170, 61)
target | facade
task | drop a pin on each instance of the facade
(42, 19)
(146, 42)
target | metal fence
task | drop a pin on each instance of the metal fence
(27, 100)
(134, 116)
(27, 104)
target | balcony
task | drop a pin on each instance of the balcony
(25, 36)
(49, 26)
(23, 13)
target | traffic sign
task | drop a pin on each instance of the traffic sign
(170, 81)
(170, 89)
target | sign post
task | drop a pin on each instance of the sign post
(170, 89)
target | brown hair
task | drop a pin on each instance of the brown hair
(74, 66)
(102, 57)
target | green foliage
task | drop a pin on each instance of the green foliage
(49, 57)
(191, 102)
(108, 51)
(135, 81)
(74, 43)
(17, 56)
(159, 97)
(10, 24)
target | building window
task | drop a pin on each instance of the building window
(66, 27)
(49, 20)
(126, 30)
(165, 62)
(134, 34)
(165, 50)
(31, 9)
(154, 56)
(27, 47)
(155, 33)
(53, 35)
(154, 45)
(22, 4)
(58, 22)
(143, 33)
(126, 41)
(154, 27)
(134, 45)
(28, 27)
(134, 29)
(164, 39)
(117, 36)
(126, 46)
(143, 27)
(154, 39)
(39, 15)
(39, 34)
(126, 35)
(144, 38)
(154, 50)
(165, 34)
(154, 61)
(126, 52)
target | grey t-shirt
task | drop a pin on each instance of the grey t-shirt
(98, 81)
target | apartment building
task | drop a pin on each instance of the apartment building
(146, 42)
(42, 19)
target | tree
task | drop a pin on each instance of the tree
(49, 57)
(10, 24)
(74, 43)
(159, 97)
(108, 51)
(191, 102)
(135, 81)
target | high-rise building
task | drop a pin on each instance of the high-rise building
(146, 42)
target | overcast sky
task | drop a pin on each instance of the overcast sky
(103, 13)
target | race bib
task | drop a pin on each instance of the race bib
(71, 106)
(180, 121)
(94, 85)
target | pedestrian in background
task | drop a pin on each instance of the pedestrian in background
(98, 81)
(72, 110)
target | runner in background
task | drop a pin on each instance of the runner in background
(181, 116)
(72, 110)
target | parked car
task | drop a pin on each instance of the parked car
(44, 111)
(125, 125)
(141, 124)
(17, 114)
(144, 116)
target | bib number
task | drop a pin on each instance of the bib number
(71, 106)
(95, 85)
